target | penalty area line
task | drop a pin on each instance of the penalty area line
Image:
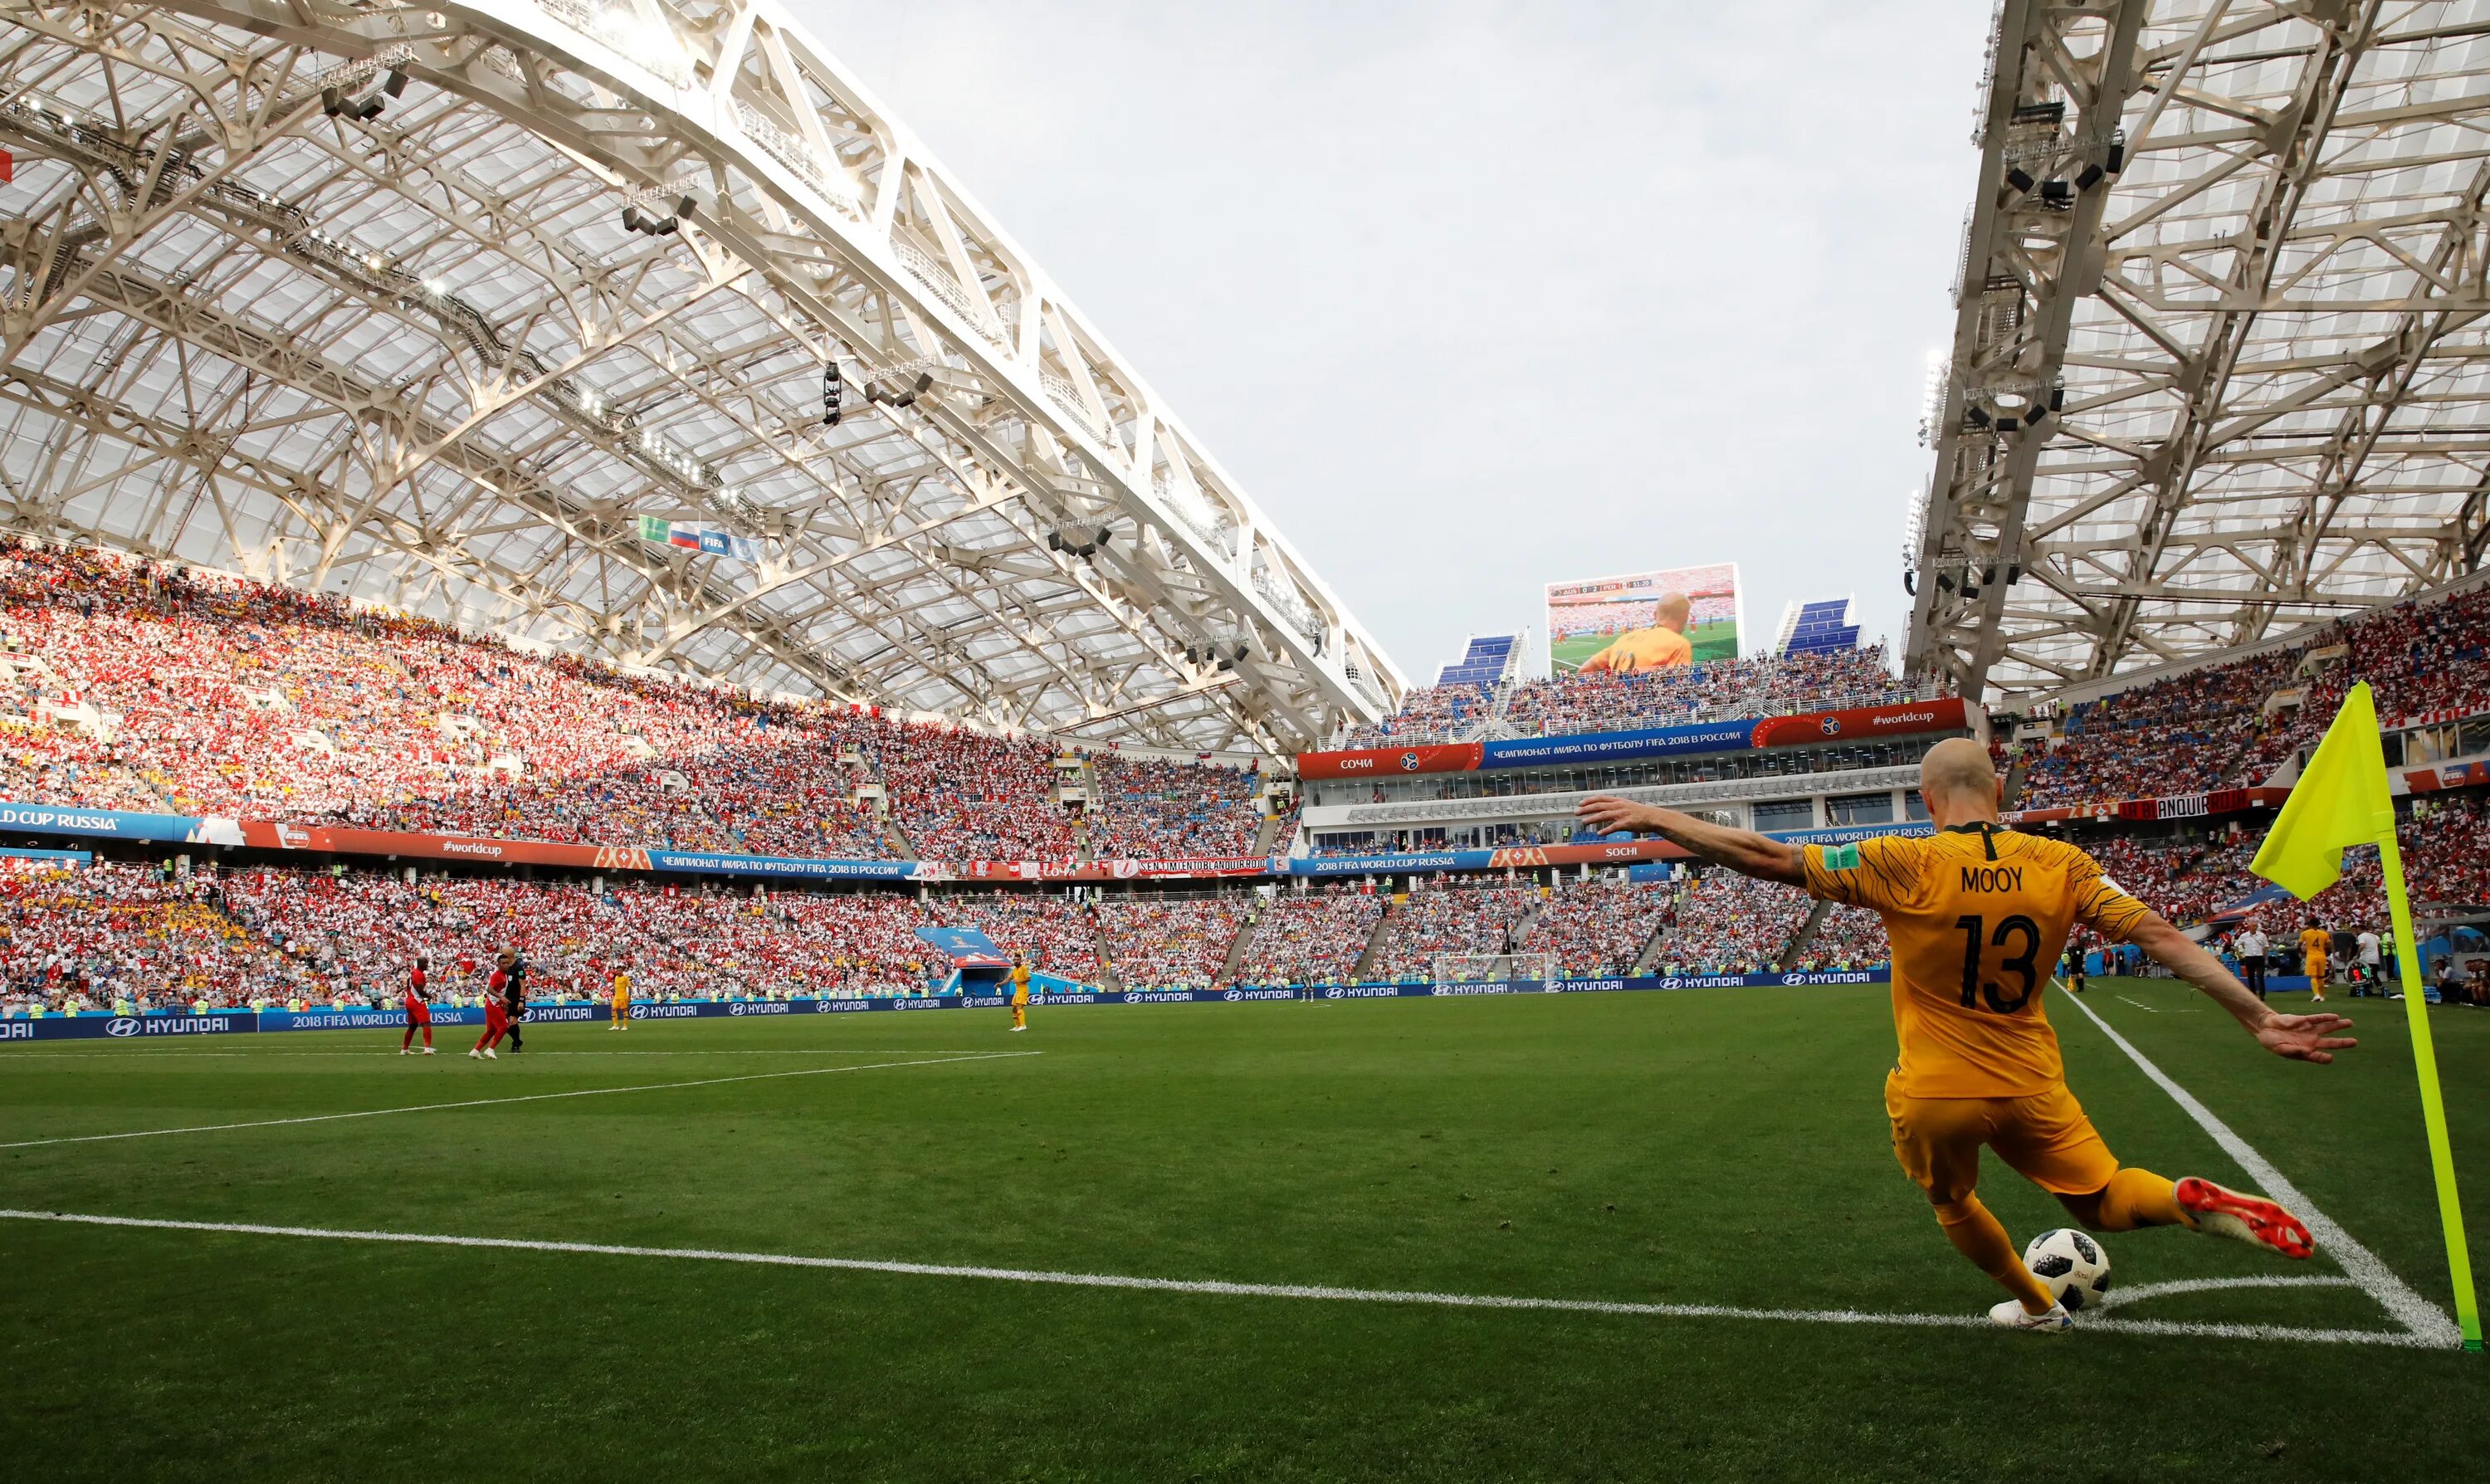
(2427, 1323)
(1218, 1289)
(523, 1098)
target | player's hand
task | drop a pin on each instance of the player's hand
(1605, 659)
(1608, 814)
(2305, 1037)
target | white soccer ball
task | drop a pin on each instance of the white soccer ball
(2072, 1265)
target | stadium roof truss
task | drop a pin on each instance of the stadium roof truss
(342, 293)
(2219, 367)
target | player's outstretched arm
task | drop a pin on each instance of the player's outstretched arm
(2300, 1038)
(1740, 850)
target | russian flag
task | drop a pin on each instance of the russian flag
(686, 536)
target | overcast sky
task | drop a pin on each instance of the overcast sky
(1475, 297)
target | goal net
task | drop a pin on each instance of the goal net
(1492, 967)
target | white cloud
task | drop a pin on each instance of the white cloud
(1472, 297)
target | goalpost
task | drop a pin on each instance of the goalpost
(1492, 967)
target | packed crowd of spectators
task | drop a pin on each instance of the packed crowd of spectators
(1311, 938)
(102, 935)
(1848, 938)
(1769, 686)
(1597, 929)
(1728, 923)
(1155, 809)
(1448, 916)
(1171, 944)
(965, 796)
(2212, 728)
(1429, 713)
(128, 939)
(132, 684)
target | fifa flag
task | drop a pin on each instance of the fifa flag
(2341, 800)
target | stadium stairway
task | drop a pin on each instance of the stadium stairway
(1376, 940)
(2015, 777)
(895, 839)
(1234, 964)
(1651, 947)
(1805, 935)
(1516, 934)
(1267, 839)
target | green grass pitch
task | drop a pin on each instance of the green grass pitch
(1717, 640)
(1696, 1148)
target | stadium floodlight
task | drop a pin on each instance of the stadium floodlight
(833, 391)
(2018, 177)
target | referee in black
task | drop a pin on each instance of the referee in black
(514, 993)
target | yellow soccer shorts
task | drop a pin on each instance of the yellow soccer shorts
(2044, 1138)
(2315, 968)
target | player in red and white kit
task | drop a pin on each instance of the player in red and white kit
(419, 1008)
(497, 1017)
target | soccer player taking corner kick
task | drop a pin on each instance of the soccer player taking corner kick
(1976, 912)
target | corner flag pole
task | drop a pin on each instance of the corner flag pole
(2342, 799)
(2433, 1104)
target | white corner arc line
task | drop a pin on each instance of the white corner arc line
(2120, 1298)
(2427, 1321)
(526, 1097)
(1214, 1287)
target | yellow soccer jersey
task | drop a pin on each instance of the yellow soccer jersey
(1975, 938)
(622, 989)
(2315, 943)
(1020, 984)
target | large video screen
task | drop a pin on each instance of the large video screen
(1644, 621)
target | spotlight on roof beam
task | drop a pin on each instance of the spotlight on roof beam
(2018, 177)
(834, 390)
(2089, 177)
(395, 84)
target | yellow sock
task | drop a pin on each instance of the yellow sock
(1979, 1237)
(2132, 1198)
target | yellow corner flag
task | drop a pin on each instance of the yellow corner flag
(2341, 799)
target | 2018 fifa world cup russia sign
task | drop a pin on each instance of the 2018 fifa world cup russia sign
(1856, 724)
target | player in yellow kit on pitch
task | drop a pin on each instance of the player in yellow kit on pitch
(2315, 943)
(1976, 914)
(621, 989)
(1020, 991)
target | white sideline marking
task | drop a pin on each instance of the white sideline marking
(2141, 1005)
(528, 1098)
(1230, 1290)
(2120, 1297)
(2427, 1321)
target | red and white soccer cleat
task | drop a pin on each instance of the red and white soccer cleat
(2246, 1218)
